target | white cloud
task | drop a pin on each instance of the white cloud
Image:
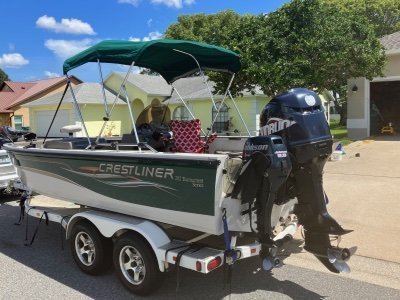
(67, 48)
(12, 60)
(149, 22)
(49, 74)
(169, 3)
(72, 26)
(131, 2)
(155, 35)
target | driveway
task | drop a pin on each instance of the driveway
(364, 195)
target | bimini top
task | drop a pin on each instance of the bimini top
(160, 56)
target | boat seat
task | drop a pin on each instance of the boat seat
(187, 138)
(71, 129)
(67, 143)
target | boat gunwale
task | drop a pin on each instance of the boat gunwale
(204, 159)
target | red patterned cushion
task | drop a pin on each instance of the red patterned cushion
(187, 136)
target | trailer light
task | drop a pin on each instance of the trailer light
(198, 266)
(213, 264)
(253, 250)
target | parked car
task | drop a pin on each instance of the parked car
(9, 134)
(8, 173)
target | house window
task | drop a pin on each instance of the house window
(18, 122)
(180, 113)
(222, 122)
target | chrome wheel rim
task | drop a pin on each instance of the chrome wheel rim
(132, 265)
(84, 248)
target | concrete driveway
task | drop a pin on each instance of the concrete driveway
(364, 194)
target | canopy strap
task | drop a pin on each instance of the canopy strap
(58, 107)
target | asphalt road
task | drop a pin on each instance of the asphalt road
(44, 271)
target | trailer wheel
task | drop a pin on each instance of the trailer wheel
(136, 264)
(90, 250)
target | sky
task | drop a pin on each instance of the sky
(37, 36)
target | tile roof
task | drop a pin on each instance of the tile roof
(17, 93)
(152, 85)
(188, 88)
(194, 88)
(391, 42)
(85, 93)
(38, 87)
(10, 92)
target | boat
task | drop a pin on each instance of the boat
(248, 187)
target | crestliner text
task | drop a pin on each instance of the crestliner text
(142, 171)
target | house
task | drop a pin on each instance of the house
(91, 103)
(376, 103)
(14, 94)
(143, 89)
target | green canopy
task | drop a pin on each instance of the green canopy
(160, 56)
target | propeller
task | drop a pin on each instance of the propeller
(340, 254)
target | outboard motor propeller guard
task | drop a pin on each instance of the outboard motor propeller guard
(298, 117)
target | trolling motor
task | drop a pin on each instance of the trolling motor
(264, 170)
(297, 116)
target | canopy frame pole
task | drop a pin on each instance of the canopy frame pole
(80, 115)
(202, 74)
(239, 113)
(184, 103)
(220, 106)
(132, 116)
(58, 107)
(106, 119)
(102, 86)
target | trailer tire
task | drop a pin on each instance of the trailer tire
(136, 264)
(90, 250)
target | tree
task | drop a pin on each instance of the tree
(320, 47)
(383, 14)
(304, 43)
(3, 77)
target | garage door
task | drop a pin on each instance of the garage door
(385, 105)
(43, 120)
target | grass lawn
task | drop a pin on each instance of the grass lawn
(339, 132)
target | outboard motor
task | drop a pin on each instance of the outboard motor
(298, 117)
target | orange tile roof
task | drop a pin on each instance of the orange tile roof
(15, 90)
(23, 91)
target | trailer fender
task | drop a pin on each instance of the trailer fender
(110, 223)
